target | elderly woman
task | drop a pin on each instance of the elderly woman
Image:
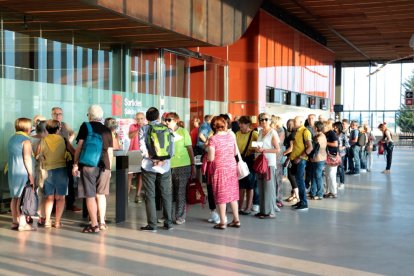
(223, 171)
(388, 146)
(269, 145)
(330, 171)
(244, 137)
(20, 161)
(278, 126)
(182, 165)
(53, 147)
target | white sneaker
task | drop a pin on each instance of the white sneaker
(363, 171)
(341, 186)
(214, 217)
(255, 208)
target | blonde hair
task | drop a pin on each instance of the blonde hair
(276, 122)
(23, 124)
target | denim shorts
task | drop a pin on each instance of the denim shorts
(56, 182)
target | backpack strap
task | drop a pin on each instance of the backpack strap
(88, 125)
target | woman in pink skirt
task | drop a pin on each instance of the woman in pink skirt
(223, 171)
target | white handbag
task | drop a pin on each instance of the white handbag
(242, 169)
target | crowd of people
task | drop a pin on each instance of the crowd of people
(311, 154)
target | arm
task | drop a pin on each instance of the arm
(111, 156)
(388, 135)
(70, 148)
(275, 144)
(289, 149)
(191, 154)
(211, 154)
(133, 133)
(333, 144)
(308, 147)
(27, 160)
(76, 157)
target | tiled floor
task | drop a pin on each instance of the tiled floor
(369, 229)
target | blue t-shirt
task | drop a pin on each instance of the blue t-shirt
(204, 129)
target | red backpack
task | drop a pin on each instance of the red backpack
(195, 193)
(380, 148)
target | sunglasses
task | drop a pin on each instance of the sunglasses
(264, 119)
(168, 120)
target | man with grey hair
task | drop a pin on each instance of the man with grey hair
(57, 114)
(93, 183)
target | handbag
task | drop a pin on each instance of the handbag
(242, 169)
(260, 166)
(333, 160)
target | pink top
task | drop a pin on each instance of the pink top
(134, 145)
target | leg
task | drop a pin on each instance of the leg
(130, 176)
(48, 209)
(242, 193)
(249, 199)
(235, 208)
(166, 196)
(70, 198)
(15, 210)
(92, 210)
(60, 204)
(180, 197)
(389, 158)
(221, 208)
(148, 181)
(139, 184)
(101, 204)
(300, 180)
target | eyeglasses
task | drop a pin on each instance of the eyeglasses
(168, 120)
(58, 114)
(264, 119)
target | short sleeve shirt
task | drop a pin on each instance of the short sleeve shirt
(182, 140)
(302, 135)
(134, 145)
(354, 134)
(107, 142)
(205, 130)
(242, 138)
(332, 137)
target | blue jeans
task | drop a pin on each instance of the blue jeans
(341, 171)
(317, 179)
(363, 158)
(300, 180)
(355, 163)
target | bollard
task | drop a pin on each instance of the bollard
(121, 191)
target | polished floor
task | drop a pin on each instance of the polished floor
(368, 230)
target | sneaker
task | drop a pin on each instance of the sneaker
(255, 208)
(214, 218)
(168, 227)
(296, 205)
(277, 209)
(180, 221)
(302, 208)
(148, 229)
(161, 220)
(363, 171)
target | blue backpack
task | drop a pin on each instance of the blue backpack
(92, 148)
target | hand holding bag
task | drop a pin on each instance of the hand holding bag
(333, 160)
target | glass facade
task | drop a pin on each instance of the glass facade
(37, 74)
(374, 98)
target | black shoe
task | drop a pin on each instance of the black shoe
(302, 208)
(148, 229)
(296, 205)
(168, 227)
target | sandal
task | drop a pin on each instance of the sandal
(220, 226)
(26, 227)
(15, 226)
(244, 212)
(289, 199)
(235, 224)
(259, 214)
(91, 229)
(41, 222)
(267, 216)
(48, 224)
(58, 225)
(103, 227)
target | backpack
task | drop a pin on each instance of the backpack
(91, 149)
(195, 193)
(160, 142)
(362, 139)
(29, 201)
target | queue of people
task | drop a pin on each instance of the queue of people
(307, 150)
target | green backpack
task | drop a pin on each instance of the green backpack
(160, 142)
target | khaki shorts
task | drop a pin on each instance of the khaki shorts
(93, 181)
